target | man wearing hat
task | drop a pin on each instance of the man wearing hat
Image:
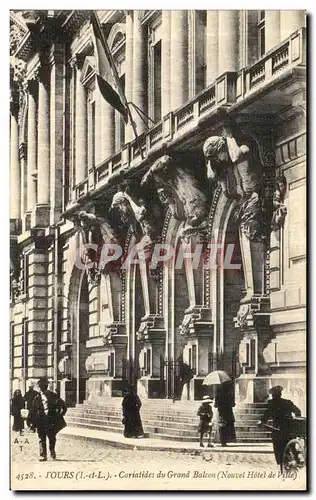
(205, 413)
(48, 410)
(280, 411)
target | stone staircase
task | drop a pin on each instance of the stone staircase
(163, 419)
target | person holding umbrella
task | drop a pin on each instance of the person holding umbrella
(224, 402)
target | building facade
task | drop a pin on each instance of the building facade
(219, 163)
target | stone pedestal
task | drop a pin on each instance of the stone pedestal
(152, 335)
(40, 217)
(67, 390)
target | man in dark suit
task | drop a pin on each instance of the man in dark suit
(48, 412)
(280, 411)
(28, 399)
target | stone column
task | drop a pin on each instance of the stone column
(15, 176)
(211, 46)
(107, 130)
(290, 21)
(179, 58)
(43, 139)
(57, 103)
(129, 68)
(272, 28)
(31, 145)
(98, 124)
(228, 45)
(165, 62)
(81, 126)
(139, 71)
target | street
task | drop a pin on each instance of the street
(85, 464)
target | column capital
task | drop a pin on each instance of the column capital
(41, 74)
(77, 61)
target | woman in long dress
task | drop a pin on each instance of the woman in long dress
(131, 418)
(224, 402)
(17, 404)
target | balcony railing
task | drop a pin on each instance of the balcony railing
(229, 88)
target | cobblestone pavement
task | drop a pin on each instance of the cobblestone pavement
(91, 465)
(73, 449)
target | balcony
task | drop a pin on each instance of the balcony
(229, 91)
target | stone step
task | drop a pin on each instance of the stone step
(242, 412)
(157, 422)
(187, 420)
(184, 438)
(159, 429)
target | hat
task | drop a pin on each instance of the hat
(205, 399)
(43, 381)
(276, 389)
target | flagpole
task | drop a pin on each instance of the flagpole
(117, 79)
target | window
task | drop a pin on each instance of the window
(261, 33)
(25, 346)
(91, 126)
(148, 370)
(156, 114)
(154, 74)
(111, 364)
(194, 359)
(24, 274)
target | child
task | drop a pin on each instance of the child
(205, 413)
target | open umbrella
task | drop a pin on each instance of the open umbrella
(216, 377)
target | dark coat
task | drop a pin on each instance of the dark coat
(185, 372)
(57, 408)
(131, 418)
(28, 397)
(17, 404)
(280, 411)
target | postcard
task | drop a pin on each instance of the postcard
(158, 250)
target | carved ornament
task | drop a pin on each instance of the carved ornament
(279, 207)
(181, 192)
(152, 329)
(197, 321)
(115, 334)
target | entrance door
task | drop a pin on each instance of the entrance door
(82, 335)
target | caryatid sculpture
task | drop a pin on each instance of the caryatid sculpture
(131, 212)
(180, 190)
(233, 168)
(95, 230)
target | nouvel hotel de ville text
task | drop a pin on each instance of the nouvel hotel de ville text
(79, 175)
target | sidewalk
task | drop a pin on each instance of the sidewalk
(119, 441)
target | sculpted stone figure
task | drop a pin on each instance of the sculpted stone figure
(225, 158)
(178, 188)
(279, 208)
(95, 230)
(130, 212)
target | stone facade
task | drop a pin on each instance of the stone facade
(221, 161)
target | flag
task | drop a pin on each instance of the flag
(106, 72)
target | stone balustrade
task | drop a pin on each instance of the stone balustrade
(228, 89)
